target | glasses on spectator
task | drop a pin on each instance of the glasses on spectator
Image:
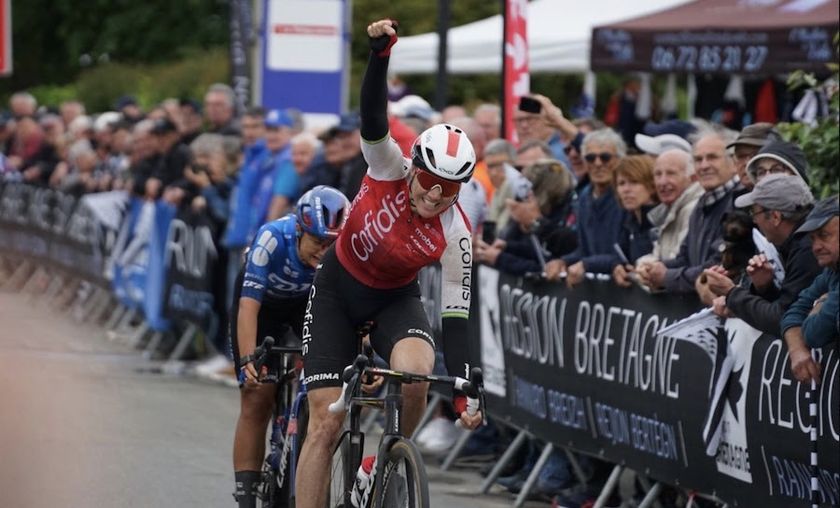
(568, 149)
(743, 156)
(605, 157)
(526, 119)
(775, 169)
(754, 212)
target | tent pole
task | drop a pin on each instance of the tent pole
(691, 95)
(504, 73)
(444, 17)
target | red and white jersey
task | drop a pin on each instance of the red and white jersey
(384, 244)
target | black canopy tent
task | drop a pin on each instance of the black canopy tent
(722, 37)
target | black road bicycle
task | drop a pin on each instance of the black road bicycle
(398, 477)
(289, 419)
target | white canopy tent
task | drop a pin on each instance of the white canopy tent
(559, 33)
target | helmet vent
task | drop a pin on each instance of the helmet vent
(431, 156)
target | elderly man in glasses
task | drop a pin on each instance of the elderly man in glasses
(599, 214)
(700, 249)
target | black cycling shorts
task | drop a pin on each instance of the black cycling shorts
(338, 305)
(275, 319)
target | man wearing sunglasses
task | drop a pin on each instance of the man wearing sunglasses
(599, 215)
(405, 217)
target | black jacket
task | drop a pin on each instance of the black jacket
(764, 311)
(553, 235)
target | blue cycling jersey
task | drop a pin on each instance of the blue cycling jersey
(273, 269)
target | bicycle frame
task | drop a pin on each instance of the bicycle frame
(285, 432)
(391, 404)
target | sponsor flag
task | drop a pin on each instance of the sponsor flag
(515, 69)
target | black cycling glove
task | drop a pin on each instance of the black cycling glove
(381, 46)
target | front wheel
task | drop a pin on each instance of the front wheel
(404, 482)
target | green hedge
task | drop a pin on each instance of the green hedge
(100, 86)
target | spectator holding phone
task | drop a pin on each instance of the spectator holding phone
(539, 223)
(634, 185)
(535, 123)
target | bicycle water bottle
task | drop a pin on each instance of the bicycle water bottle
(362, 480)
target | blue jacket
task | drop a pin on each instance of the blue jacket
(822, 327)
(635, 239)
(599, 227)
(236, 234)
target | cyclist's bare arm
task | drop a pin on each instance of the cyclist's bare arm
(246, 332)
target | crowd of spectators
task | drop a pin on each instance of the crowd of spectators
(570, 200)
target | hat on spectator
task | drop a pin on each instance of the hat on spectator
(164, 126)
(125, 100)
(348, 122)
(411, 105)
(756, 134)
(192, 103)
(656, 145)
(788, 154)
(825, 210)
(105, 120)
(679, 128)
(785, 193)
(277, 118)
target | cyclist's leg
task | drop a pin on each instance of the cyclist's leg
(329, 345)
(256, 404)
(403, 335)
(321, 437)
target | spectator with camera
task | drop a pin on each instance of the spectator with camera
(598, 212)
(540, 223)
(701, 247)
(779, 205)
(634, 186)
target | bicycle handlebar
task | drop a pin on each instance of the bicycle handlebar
(351, 377)
(261, 353)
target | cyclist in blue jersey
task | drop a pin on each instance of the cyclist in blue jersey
(270, 300)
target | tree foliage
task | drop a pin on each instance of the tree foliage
(54, 40)
(821, 140)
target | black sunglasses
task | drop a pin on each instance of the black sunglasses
(604, 156)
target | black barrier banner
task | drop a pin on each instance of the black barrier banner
(191, 258)
(54, 228)
(586, 368)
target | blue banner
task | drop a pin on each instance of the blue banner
(304, 57)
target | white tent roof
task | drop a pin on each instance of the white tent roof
(559, 33)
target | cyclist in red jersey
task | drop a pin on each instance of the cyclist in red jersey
(405, 217)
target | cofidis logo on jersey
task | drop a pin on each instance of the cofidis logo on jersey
(376, 224)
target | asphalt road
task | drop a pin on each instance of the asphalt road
(85, 423)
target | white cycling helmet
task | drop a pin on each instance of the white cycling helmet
(444, 150)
